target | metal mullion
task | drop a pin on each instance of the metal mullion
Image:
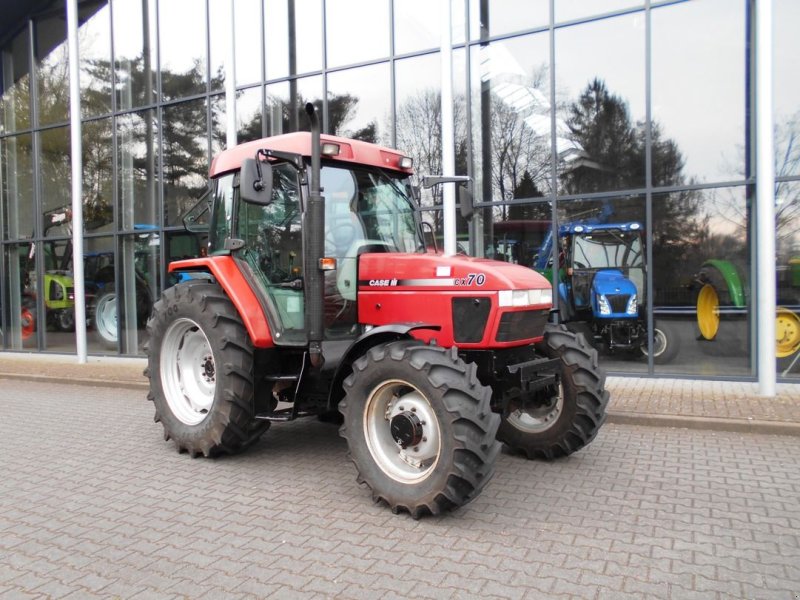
(262, 83)
(648, 182)
(41, 317)
(393, 76)
(553, 157)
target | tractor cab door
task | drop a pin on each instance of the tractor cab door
(273, 252)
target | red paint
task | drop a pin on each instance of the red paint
(431, 303)
(227, 274)
(350, 151)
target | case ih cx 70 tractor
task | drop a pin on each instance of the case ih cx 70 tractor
(314, 305)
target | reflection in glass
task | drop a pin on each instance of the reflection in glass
(416, 26)
(358, 103)
(517, 233)
(182, 56)
(698, 86)
(293, 38)
(16, 94)
(137, 169)
(247, 15)
(248, 114)
(419, 117)
(602, 275)
(787, 265)
(185, 156)
(787, 88)
(603, 109)
(134, 23)
(219, 18)
(567, 10)
(139, 257)
(690, 229)
(52, 70)
(16, 186)
(54, 181)
(19, 303)
(94, 49)
(98, 175)
(511, 121)
(285, 104)
(353, 40)
(100, 284)
(495, 17)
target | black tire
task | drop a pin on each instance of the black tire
(196, 322)
(666, 343)
(576, 408)
(65, 319)
(456, 454)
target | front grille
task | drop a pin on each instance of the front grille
(521, 325)
(618, 302)
(469, 319)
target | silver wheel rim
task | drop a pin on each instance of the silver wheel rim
(414, 463)
(188, 372)
(659, 344)
(536, 420)
(105, 317)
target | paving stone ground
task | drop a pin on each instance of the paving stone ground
(94, 504)
(639, 396)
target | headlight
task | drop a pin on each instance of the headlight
(633, 307)
(525, 297)
(605, 307)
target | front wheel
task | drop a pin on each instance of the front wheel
(105, 318)
(200, 364)
(419, 427)
(565, 417)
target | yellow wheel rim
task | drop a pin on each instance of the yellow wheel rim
(708, 311)
(787, 332)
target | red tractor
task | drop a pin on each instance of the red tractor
(309, 306)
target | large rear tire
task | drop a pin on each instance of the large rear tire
(419, 427)
(573, 411)
(200, 366)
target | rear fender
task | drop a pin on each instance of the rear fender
(227, 273)
(732, 280)
(374, 337)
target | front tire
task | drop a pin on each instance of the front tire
(572, 412)
(419, 427)
(105, 318)
(200, 366)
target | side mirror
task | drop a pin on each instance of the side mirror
(255, 182)
(466, 202)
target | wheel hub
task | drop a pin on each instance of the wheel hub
(207, 364)
(406, 429)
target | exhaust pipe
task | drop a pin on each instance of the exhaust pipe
(314, 227)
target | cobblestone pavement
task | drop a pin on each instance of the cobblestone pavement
(93, 503)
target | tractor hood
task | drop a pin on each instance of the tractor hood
(412, 272)
(613, 282)
(614, 295)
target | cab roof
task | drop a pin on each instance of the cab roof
(351, 151)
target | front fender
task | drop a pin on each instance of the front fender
(378, 335)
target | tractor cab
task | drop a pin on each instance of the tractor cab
(604, 269)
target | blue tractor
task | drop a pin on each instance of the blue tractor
(601, 285)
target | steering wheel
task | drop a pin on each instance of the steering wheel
(579, 265)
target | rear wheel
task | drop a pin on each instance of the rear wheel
(27, 323)
(566, 417)
(787, 332)
(712, 294)
(200, 366)
(419, 427)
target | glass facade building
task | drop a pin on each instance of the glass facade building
(565, 112)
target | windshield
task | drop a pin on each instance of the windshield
(367, 207)
(608, 249)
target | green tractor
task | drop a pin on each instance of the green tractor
(722, 293)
